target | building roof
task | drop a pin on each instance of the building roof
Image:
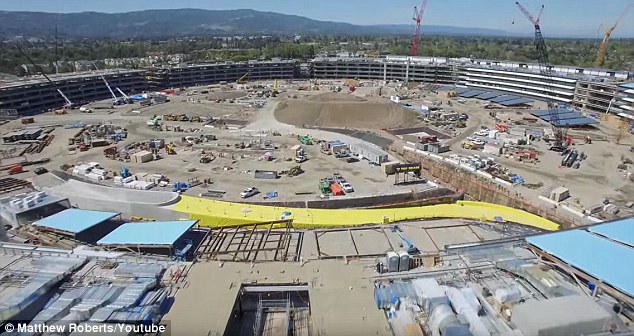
(75, 220)
(503, 98)
(471, 94)
(566, 117)
(517, 101)
(628, 85)
(147, 233)
(620, 230)
(488, 95)
(606, 260)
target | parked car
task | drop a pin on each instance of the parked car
(40, 171)
(481, 133)
(248, 192)
(352, 160)
(346, 187)
(478, 142)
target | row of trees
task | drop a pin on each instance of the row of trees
(562, 51)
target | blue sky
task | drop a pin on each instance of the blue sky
(561, 17)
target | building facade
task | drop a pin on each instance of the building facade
(36, 95)
(593, 90)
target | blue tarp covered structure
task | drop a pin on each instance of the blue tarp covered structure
(604, 252)
(74, 221)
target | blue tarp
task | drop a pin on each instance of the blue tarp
(75, 220)
(619, 230)
(147, 233)
(605, 260)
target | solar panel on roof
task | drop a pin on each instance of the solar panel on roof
(520, 101)
(461, 90)
(489, 95)
(471, 94)
(566, 117)
(504, 98)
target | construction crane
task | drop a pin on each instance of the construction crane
(243, 79)
(125, 97)
(418, 16)
(603, 47)
(68, 103)
(545, 70)
(116, 100)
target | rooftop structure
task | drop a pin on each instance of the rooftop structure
(147, 234)
(566, 118)
(21, 209)
(74, 221)
(595, 251)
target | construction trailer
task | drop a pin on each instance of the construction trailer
(373, 154)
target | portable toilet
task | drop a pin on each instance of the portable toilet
(403, 264)
(392, 261)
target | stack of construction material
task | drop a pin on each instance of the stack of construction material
(142, 157)
(121, 181)
(139, 185)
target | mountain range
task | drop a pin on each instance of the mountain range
(168, 23)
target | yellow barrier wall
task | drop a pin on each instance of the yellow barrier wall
(214, 213)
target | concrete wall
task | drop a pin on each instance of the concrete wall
(151, 204)
(424, 197)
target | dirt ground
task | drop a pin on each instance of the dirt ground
(596, 179)
(344, 110)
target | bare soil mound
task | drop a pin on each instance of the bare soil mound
(348, 111)
(335, 97)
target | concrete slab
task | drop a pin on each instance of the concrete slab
(341, 299)
(454, 235)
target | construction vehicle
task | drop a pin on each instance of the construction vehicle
(155, 121)
(115, 101)
(407, 244)
(243, 79)
(300, 155)
(305, 139)
(181, 186)
(324, 187)
(470, 145)
(68, 104)
(124, 172)
(418, 16)
(126, 99)
(169, 149)
(274, 93)
(603, 47)
(546, 70)
(16, 169)
(295, 170)
(206, 158)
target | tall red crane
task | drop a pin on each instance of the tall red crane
(418, 15)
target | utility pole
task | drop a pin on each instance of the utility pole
(56, 54)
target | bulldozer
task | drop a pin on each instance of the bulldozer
(305, 139)
(295, 170)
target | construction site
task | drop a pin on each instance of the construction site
(393, 201)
